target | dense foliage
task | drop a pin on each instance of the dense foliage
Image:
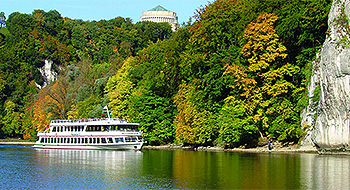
(235, 76)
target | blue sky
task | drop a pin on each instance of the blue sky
(102, 9)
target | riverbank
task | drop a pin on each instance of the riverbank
(287, 149)
(16, 142)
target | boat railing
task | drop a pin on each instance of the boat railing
(90, 120)
(43, 132)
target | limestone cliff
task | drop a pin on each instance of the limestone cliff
(328, 113)
(48, 74)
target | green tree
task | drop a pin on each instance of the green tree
(11, 121)
(2, 19)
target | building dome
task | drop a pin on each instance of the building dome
(160, 14)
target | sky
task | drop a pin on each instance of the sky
(102, 9)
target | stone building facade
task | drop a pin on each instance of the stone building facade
(160, 14)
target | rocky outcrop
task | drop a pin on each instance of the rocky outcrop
(48, 74)
(328, 113)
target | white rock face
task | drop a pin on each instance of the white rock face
(329, 118)
(47, 73)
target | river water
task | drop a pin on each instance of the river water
(23, 167)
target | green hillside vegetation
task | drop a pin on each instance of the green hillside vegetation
(235, 76)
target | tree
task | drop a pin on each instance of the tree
(193, 125)
(59, 102)
(11, 120)
(265, 83)
(2, 19)
(120, 89)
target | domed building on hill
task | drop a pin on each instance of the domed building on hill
(160, 14)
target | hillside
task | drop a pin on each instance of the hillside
(235, 76)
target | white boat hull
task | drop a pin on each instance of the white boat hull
(129, 146)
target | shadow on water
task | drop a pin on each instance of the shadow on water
(26, 168)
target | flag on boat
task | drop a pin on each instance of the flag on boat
(105, 109)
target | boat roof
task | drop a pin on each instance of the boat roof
(94, 121)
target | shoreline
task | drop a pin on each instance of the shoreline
(289, 149)
(16, 143)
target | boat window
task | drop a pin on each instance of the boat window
(94, 140)
(78, 140)
(75, 140)
(90, 140)
(110, 140)
(111, 128)
(103, 140)
(42, 140)
(98, 140)
(54, 140)
(64, 140)
(45, 140)
(58, 129)
(133, 139)
(54, 129)
(83, 140)
(119, 139)
(86, 140)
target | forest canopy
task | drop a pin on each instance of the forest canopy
(235, 76)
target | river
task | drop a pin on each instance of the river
(23, 167)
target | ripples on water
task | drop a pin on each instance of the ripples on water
(23, 167)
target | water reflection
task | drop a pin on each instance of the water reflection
(325, 171)
(235, 170)
(87, 168)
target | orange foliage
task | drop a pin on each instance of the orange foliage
(52, 103)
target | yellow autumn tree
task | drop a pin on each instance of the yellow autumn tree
(119, 88)
(192, 125)
(265, 82)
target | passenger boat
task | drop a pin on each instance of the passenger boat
(91, 134)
